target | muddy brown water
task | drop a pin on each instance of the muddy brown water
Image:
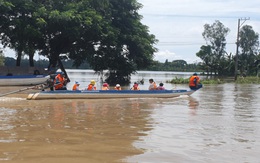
(219, 123)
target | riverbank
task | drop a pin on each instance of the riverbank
(240, 80)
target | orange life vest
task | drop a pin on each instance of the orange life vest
(194, 81)
(91, 87)
(118, 88)
(153, 86)
(58, 82)
(105, 88)
(75, 87)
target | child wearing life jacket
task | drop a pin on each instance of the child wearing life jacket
(75, 86)
(92, 86)
(135, 87)
(118, 87)
(153, 85)
(161, 87)
(105, 86)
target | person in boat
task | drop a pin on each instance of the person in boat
(118, 87)
(135, 87)
(153, 85)
(105, 86)
(75, 86)
(161, 87)
(60, 82)
(194, 82)
(92, 86)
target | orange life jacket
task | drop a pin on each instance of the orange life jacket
(118, 88)
(194, 81)
(75, 87)
(153, 86)
(105, 88)
(91, 87)
(58, 82)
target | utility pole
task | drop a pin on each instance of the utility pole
(238, 37)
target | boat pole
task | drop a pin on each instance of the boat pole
(23, 89)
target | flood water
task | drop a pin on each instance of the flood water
(218, 123)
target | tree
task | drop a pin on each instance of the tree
(119, 42)
(214, 53)
(248, 43)
(107, 34)
(17, 26)
(205, 55)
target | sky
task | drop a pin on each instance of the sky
(178, 24)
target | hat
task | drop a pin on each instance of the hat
(105, 85)
(76, 82)
(118, 85)
(92, 82)
(195, 73)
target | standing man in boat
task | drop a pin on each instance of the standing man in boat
(153, 85)
(194, 83)
(60, 82)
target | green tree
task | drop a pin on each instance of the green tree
(127, 45)
(213, 55)
(248, 43)
(107, 34)
(17, 26)
(205, 55)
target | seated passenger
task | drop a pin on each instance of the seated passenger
(153, 85)
(161, 87)
(60, 82)
(92, 86)
(135, 87)
(75, 86)
(194, 83)
(118, 87)
(105, 86)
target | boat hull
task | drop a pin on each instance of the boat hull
(22, 80)
(109, 94)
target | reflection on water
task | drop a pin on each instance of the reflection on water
(219, 123)
(84, 130)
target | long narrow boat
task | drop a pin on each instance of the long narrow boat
(22, 80)
(108, 94)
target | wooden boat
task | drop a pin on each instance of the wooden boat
(108, 94)
(23, 80)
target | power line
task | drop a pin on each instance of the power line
(185, 43)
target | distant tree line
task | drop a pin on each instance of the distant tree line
(68, 64)
(176, 65)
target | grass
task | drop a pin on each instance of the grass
(240, 80)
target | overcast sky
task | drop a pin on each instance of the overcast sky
(178, 24)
